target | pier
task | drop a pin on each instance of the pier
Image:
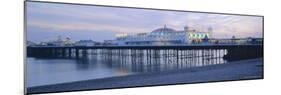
(150, 53)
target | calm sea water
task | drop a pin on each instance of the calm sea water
(52, 71)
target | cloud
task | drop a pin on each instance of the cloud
(64, 17)
(71, 12)
(224, 26)
(66, 26)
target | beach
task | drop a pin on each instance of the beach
(236, 70)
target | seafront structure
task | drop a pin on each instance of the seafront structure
(165, 36)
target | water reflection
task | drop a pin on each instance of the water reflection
(151, 61)
(110, 63)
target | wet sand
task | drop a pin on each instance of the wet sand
(238, 70)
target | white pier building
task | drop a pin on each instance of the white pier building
(165, 36)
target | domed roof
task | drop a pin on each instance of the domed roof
(163, 30)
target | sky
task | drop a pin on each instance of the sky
(47, 21)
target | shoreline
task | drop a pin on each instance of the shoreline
(236, 70)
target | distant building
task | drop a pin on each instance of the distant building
(43, 44)
(110, 42)
(235, 40)
(61, 42)
(255, 40)
(67, 42)
(29, 43)
(164, 36)
(86, 43)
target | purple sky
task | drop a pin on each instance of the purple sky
(46, 21)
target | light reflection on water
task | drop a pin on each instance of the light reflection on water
(53, 71)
